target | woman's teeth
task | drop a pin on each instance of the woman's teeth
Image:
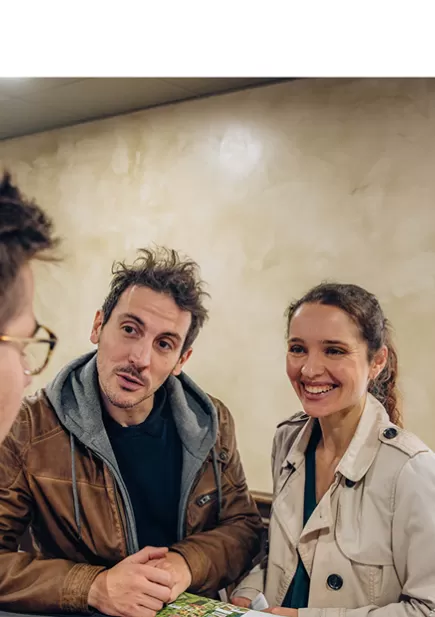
(318, 389)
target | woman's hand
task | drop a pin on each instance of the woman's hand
(240, 601)
(279, 610)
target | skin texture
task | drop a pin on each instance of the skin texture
(13, 381)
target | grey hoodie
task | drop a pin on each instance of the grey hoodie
(75, 396)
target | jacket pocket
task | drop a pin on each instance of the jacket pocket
(367, 548)
(208, 498)
(202, 512)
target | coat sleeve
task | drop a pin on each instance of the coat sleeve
(219, 556)
(29, 583)
(255, 581)
(413, 536)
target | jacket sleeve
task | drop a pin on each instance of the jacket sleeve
(29, 583)
(255, 581)
(413, 536)
(219, 556)
(252, 584)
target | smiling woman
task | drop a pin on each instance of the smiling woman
(354, 493)
(357, 337)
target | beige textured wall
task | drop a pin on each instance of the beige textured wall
(272, 190)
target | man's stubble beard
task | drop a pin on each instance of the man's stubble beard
(114, 400)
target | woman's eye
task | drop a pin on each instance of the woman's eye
(297, 349)
(334, 351)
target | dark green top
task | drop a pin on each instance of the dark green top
(299, 590)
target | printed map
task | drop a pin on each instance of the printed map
(189, 605)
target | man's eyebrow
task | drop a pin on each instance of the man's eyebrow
(141, 323)
(133, 317)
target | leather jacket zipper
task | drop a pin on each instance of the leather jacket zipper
(203, 500)
(121, 518)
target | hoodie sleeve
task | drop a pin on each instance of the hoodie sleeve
(219, 556)
(29, 583)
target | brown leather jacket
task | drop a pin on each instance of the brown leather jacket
(54, 478)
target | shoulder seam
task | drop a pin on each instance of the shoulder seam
(297, 418)
(398, 443)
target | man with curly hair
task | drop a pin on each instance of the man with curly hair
(127, 473)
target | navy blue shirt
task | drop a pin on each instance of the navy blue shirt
(149, 457)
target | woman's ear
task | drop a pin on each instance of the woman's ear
(379, 362)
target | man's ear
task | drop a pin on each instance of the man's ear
(96, 327)
(182, 361)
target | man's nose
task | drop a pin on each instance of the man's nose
(141, 351)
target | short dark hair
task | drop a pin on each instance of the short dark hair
(26, 232)
(364, 309)
(162, 270)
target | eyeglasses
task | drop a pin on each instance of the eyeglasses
(36, 350)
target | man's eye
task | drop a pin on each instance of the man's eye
(165, 345)
(129, 329)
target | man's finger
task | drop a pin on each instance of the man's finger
(151, 603)
(147, 553)
(157, 563)
(157, 590)
(141, 611)
(157, 553)
(157, 575)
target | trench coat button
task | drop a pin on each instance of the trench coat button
(390, 433)
(334, 582)
(223, 455)
(349, 483)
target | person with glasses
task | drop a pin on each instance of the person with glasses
(26, 233)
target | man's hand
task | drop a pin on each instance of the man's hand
(133, 588)
(279, 610)
(180, 571)
(241, 601)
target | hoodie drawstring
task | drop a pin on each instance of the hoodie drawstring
(217, 477)
(74, 487)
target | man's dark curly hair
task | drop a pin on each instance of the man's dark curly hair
(26, 232)
(162, 270)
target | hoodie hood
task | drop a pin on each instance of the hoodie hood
(75, 396)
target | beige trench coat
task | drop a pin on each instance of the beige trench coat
(369, 546)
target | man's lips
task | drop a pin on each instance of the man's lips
(130, 378)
